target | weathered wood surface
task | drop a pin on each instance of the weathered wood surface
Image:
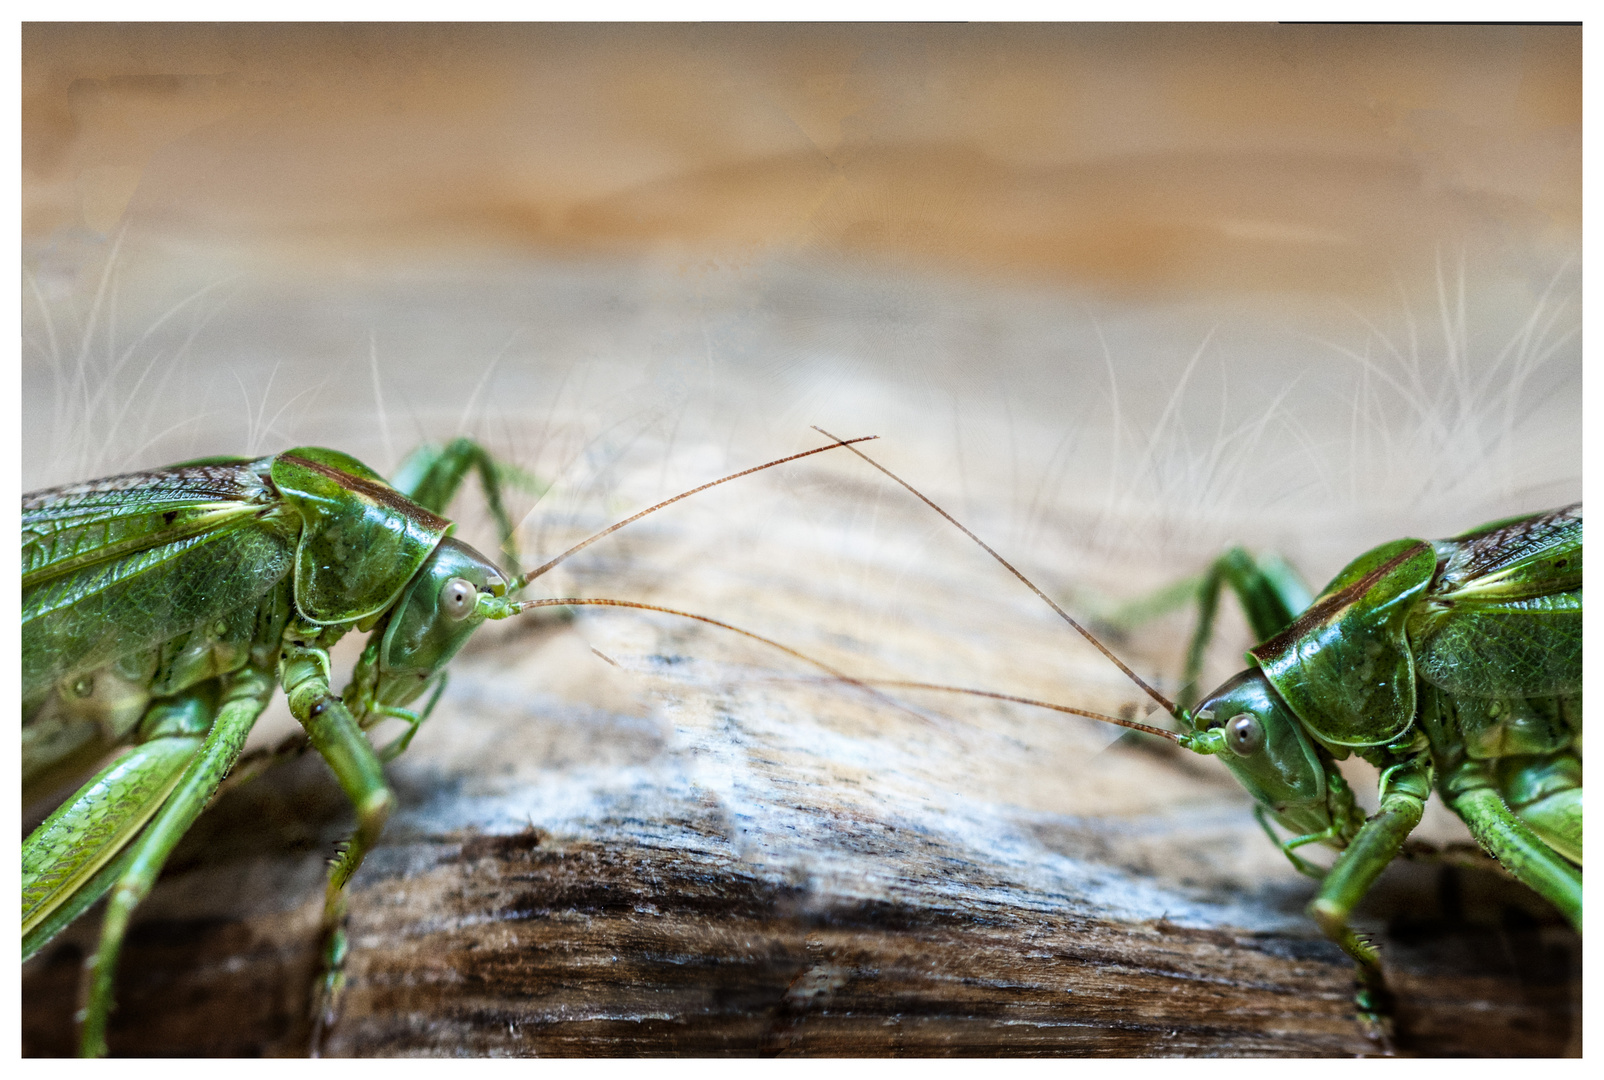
(628, 834)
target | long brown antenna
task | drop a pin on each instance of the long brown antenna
(1166, 703)
(539, 570)
(574, 601)
(862, 684)
(1104, 717)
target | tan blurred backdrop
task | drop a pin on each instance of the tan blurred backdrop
(1149, 288)
(1125, 157)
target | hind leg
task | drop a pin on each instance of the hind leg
(1520, 850)
(245, 695)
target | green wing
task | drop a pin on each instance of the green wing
(117, 566)
(1504, 616)
(68, 528)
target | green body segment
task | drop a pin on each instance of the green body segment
(1504, 618)
(1453, 665)
(215, 538)
(360, 539)
(1344, 666)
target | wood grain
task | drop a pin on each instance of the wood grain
(516, 944)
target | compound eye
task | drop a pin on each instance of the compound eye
(1244, 734)
(458, 598)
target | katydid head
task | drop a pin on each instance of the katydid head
(454, 591)
(1249, 728)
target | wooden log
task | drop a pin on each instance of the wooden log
(672, 944)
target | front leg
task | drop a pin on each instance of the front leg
(412, 718)
(361, 698)
(335, 735)
(1404, 790)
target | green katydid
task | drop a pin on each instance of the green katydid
(159, 611)
(1451, 664)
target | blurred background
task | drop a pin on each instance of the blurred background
(1116, 295)
(1208, 269)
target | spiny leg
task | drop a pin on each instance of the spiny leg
(360, 696)
(337, 737)
(1204, 590)
(258, 761)
(1516, 847)
(245, 695)
(412, 718)
(1144, 609)
(1289, 847)
(431, 476)
(1546, 793)
(78, 852)
(1404, 790)
(1271, 593)
(1208, 606)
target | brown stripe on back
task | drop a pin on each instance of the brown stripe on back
(383, 494)
(1318, 613)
